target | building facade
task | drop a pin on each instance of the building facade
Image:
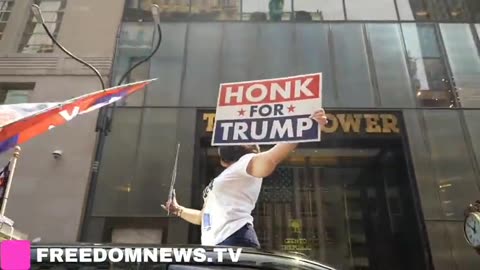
(47, 195)
(398, 162)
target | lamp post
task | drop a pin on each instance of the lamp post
(105, 119)
(38, 15)
(105, 114)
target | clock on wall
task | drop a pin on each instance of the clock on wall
(471, 225)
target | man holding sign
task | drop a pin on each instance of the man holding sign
(284, 111)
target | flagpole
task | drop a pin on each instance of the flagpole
(16, 154)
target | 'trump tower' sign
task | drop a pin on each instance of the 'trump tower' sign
(268, 111)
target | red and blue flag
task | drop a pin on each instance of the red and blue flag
(21, 122)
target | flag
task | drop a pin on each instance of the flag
(4, 174)
(21, 122)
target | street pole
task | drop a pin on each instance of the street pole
(16, 155)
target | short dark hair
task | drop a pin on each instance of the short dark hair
(233, 153)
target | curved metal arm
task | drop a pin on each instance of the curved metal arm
(73, 56)
(159, 29)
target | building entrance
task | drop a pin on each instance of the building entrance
(349, 201)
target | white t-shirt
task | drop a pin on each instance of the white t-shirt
(229, 201)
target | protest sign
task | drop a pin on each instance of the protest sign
(268, 111)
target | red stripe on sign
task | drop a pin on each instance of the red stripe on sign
(271, 91)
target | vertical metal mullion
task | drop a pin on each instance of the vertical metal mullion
(241, 10)
(344, 10)
(292, 12)
(405, 53)
(476, 37)
(331, 49)
(446, 63)
(371, 67)
(396, 9)
(155, 34)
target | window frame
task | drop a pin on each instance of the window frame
(32, 23)
(7, 12)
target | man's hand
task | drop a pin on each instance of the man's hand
(319, 116)
(171, 206)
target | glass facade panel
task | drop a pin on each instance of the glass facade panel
(422, 164)
(474, 7)
(452, 163)
(117, 170)
(275, 50)
(202, 65)
(266, 10)
(307, 10)
(238, 51)
(427, 10)
(17, 96)
(134, 44)
(462, 253)
(313, 38)
(371, 10)
(391, 69)
(464, 62)
(427, 66)
(473, 124)
(154, 161)
(352, 72)
(168, 65)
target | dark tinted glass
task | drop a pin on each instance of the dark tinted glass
(464, 60)
(352, 71)
(391, 69)
(427, 66)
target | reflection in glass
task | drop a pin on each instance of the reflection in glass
(116, 172)
(307, 10)
(135, 43)
(452, 10)
(451, 162)
(210, 10)
(373, 10)
(391, 68)
(352, 70)
(427, 68)
(464, 61)
(140, 73)
(140, 10)
(473, 125)
(266, 10)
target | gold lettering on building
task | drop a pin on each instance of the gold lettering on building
(343, 122)
(210, 118)
(389, 123)
(372, 123)
(350, 122)
(332, 124)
